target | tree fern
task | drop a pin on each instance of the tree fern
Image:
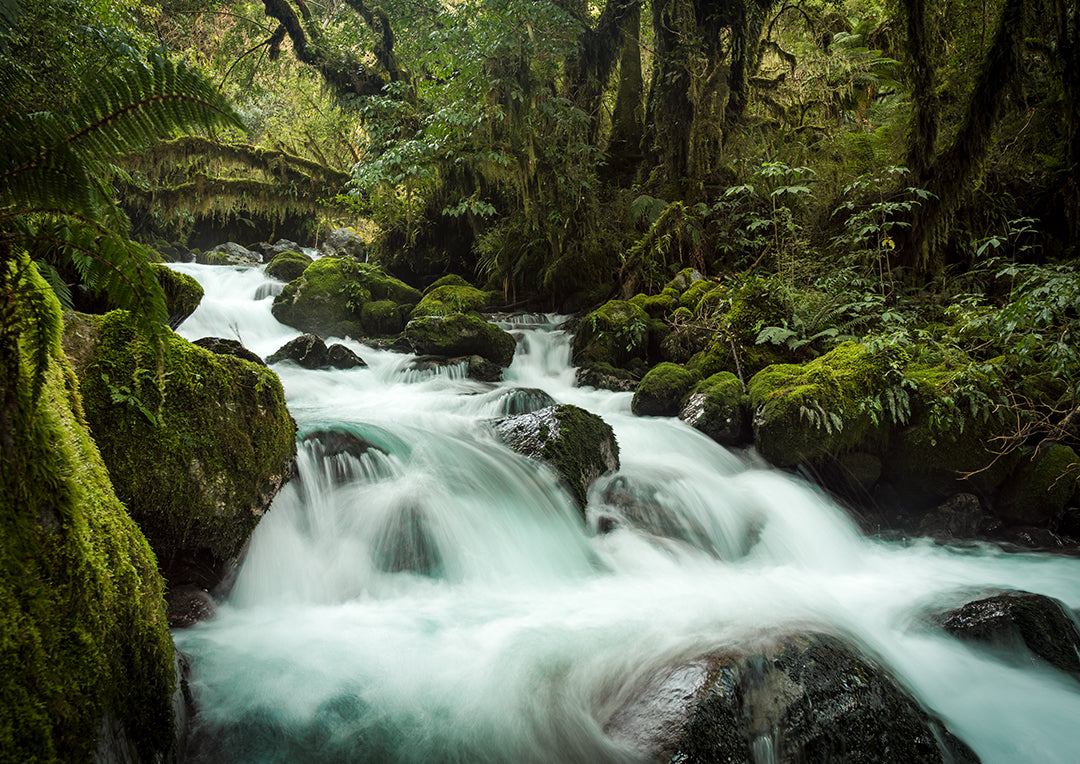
(54, 194)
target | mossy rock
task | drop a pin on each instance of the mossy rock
(614, 333)
(288, 266)
(450, 279)
(656, 305)
(803, 413)
(604, 376)
(452, 298)
(383, 318)
(182, 293)
(662, 389)
(84, 640)
(682, 280)
(720, 408)
(328, 299)
(931, 463)
(460, 335)
(1037, 491)
(693, 294)
(197, 452)
(577, 444)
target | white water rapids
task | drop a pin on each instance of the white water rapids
(537, 629)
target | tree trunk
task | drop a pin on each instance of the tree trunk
(1068, 28)
(628, 120)
(924, 119)
(955, 168)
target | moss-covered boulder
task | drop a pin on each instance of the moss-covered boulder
(944, 449)
(197, 444)
(450, 279)
(720, 408)
(614, 333)
(229, 253)
(460, 335)
(662, 389)
(452, 298)
(84, 642)
(577, 444)
(288, 266)
(827, 406)
(657, 305)
(329, 299)
(182, 293)
(1039, 488)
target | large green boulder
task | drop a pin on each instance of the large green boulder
(182, 293)
(825, 407)
(329, 299)
(460, 335)
(288, 266)
(720, 408)
(84, 642)
(197, 444)
(1037, 491)
(662, 389)
(615, 333)
(577, 444)
(452, 298)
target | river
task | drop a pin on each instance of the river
(531, 627)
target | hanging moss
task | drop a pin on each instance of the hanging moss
(83, 632)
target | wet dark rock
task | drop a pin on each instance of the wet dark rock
(223, 346)
(808, 698)
(230, 253)
(1042, 484)
(344, 242)
(340, 357)
(577, 444)
(1028, 538)
(307, 351)
(483, 370)
(604, 376)
(1019, 624)
(339, 452)
(404, 543)
(960, 516)
(270, 251)
(187, 605)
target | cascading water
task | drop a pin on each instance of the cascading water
(420, 593)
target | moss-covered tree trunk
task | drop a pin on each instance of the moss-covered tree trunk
(1068, 43)
(950, 175)
(628, 120)
(922, 135)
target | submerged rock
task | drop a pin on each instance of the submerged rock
(577, 444)
(524, 400)
(404, 543)
(1019, 624)
(604, 376)
(196, 455)
(807, 698)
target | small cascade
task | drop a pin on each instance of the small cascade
(419, 593)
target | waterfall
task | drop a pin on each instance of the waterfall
(420, 593)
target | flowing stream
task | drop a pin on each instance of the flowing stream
(529, 629)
